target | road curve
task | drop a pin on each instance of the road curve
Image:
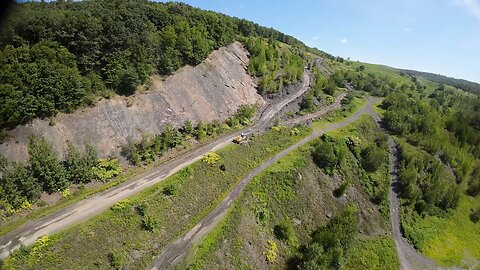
(96, 204)
(176, 250)
(408, 257)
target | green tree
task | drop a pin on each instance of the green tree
(475, 215)
(188, 127)
(79, 166)
(45, 165)
(328, 154)
(19, 185)
(330, 244)
(372, 158)
(285, 231)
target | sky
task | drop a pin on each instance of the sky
(438, 36)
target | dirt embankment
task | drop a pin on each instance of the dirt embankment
(212, 90)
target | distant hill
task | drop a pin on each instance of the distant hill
(468, 86)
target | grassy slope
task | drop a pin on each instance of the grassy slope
(375, 253)
(296, 189)
(338, 115)
(197, 190)
(381, 71)
(452, 240)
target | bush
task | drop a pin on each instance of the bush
(330, 244)
(106, 169)
(79, 166)
(341, 190)
(285, 231)
(328, 154)
(117, 260)
(149, 223)
(271, 253)
(45, 166)
(120, 205)
(141, 209)
(262, 216)
(211, 158)
(372, 158)
(169, 190)
(475, 215)
(19, 185)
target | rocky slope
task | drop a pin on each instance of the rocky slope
(212, 90)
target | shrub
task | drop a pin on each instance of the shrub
(169, 190)
(45, 166)
(122, 204)
(271, 253)
(475, 215)
(149, 223)
(66, 193)
(116, 260)
(341, 190)
(263, 216)
(107, 168)
(294, 131)
(372, 158)
(330, 244)
(142, 209)
(26, 205)
(211, 158)
(285, 231)
(328, 154)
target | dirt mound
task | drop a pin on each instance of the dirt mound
(212, 90)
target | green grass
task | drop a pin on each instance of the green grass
(453, 240)
(381, 71)
(198, 189)
(378, 109)
(339, 115)
(376, 253)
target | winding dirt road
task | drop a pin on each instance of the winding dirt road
(96, 204)
(178, 249)
(408, 257)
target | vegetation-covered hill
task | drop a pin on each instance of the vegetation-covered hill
(55, 57)
(465, 85)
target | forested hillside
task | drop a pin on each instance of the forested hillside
(465, 85)
(58, 56)
(439, 172)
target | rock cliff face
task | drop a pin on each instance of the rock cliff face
(212, 90)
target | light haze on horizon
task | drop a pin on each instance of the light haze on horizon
(437, 36)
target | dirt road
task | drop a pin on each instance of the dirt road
(176, 250)
(96, 204)
(315, 115)
(408, 257)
